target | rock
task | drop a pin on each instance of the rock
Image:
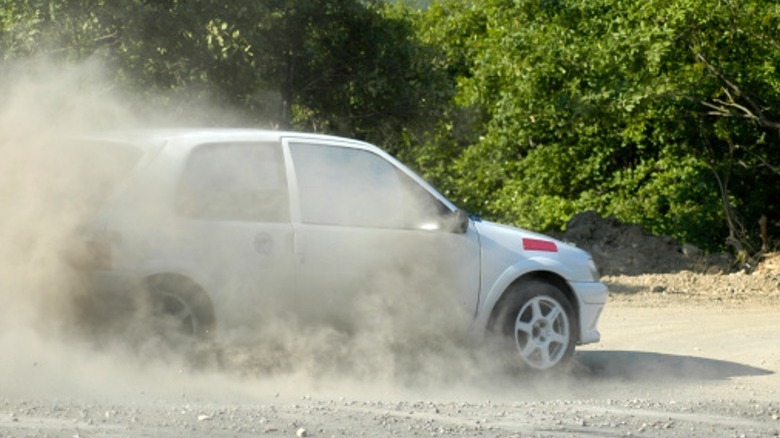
(301, 432)
(691, 250)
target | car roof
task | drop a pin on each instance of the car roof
(208, 135)
(153, 140)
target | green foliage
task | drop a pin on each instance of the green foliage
(348, 67)
(670, 196)
(365, 75)
(620, 106)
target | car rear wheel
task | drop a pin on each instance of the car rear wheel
(180, 311)
(537, 318)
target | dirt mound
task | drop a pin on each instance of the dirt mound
(769, 264)
(755, 289)
(628, 249)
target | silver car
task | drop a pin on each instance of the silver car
(214, 224)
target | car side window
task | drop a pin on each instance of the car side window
(234, 181)
(355, 187)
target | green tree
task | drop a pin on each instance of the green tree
(349, 67)
(619, 106)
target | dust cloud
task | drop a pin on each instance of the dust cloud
(44, 194)
(402, 333)
(47, 190)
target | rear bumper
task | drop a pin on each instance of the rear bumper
(592, 296)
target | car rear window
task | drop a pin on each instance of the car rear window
(235, 181)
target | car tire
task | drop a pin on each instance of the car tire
(181, 313)
(537, 319)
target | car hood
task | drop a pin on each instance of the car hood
(526, 250)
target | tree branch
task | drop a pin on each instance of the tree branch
(755, 112)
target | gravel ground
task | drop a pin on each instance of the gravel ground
(682, 355)
(635, 417)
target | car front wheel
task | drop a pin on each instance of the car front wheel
(537, 318)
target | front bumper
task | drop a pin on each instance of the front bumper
(592, 296)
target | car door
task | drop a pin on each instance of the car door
(364, 225)
(234, 204)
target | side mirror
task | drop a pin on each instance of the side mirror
(460, 223)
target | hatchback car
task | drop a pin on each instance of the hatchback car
(214, 224)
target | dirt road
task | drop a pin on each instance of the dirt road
(668, 366)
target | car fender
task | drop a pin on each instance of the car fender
(511, 274)
(175, 267)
